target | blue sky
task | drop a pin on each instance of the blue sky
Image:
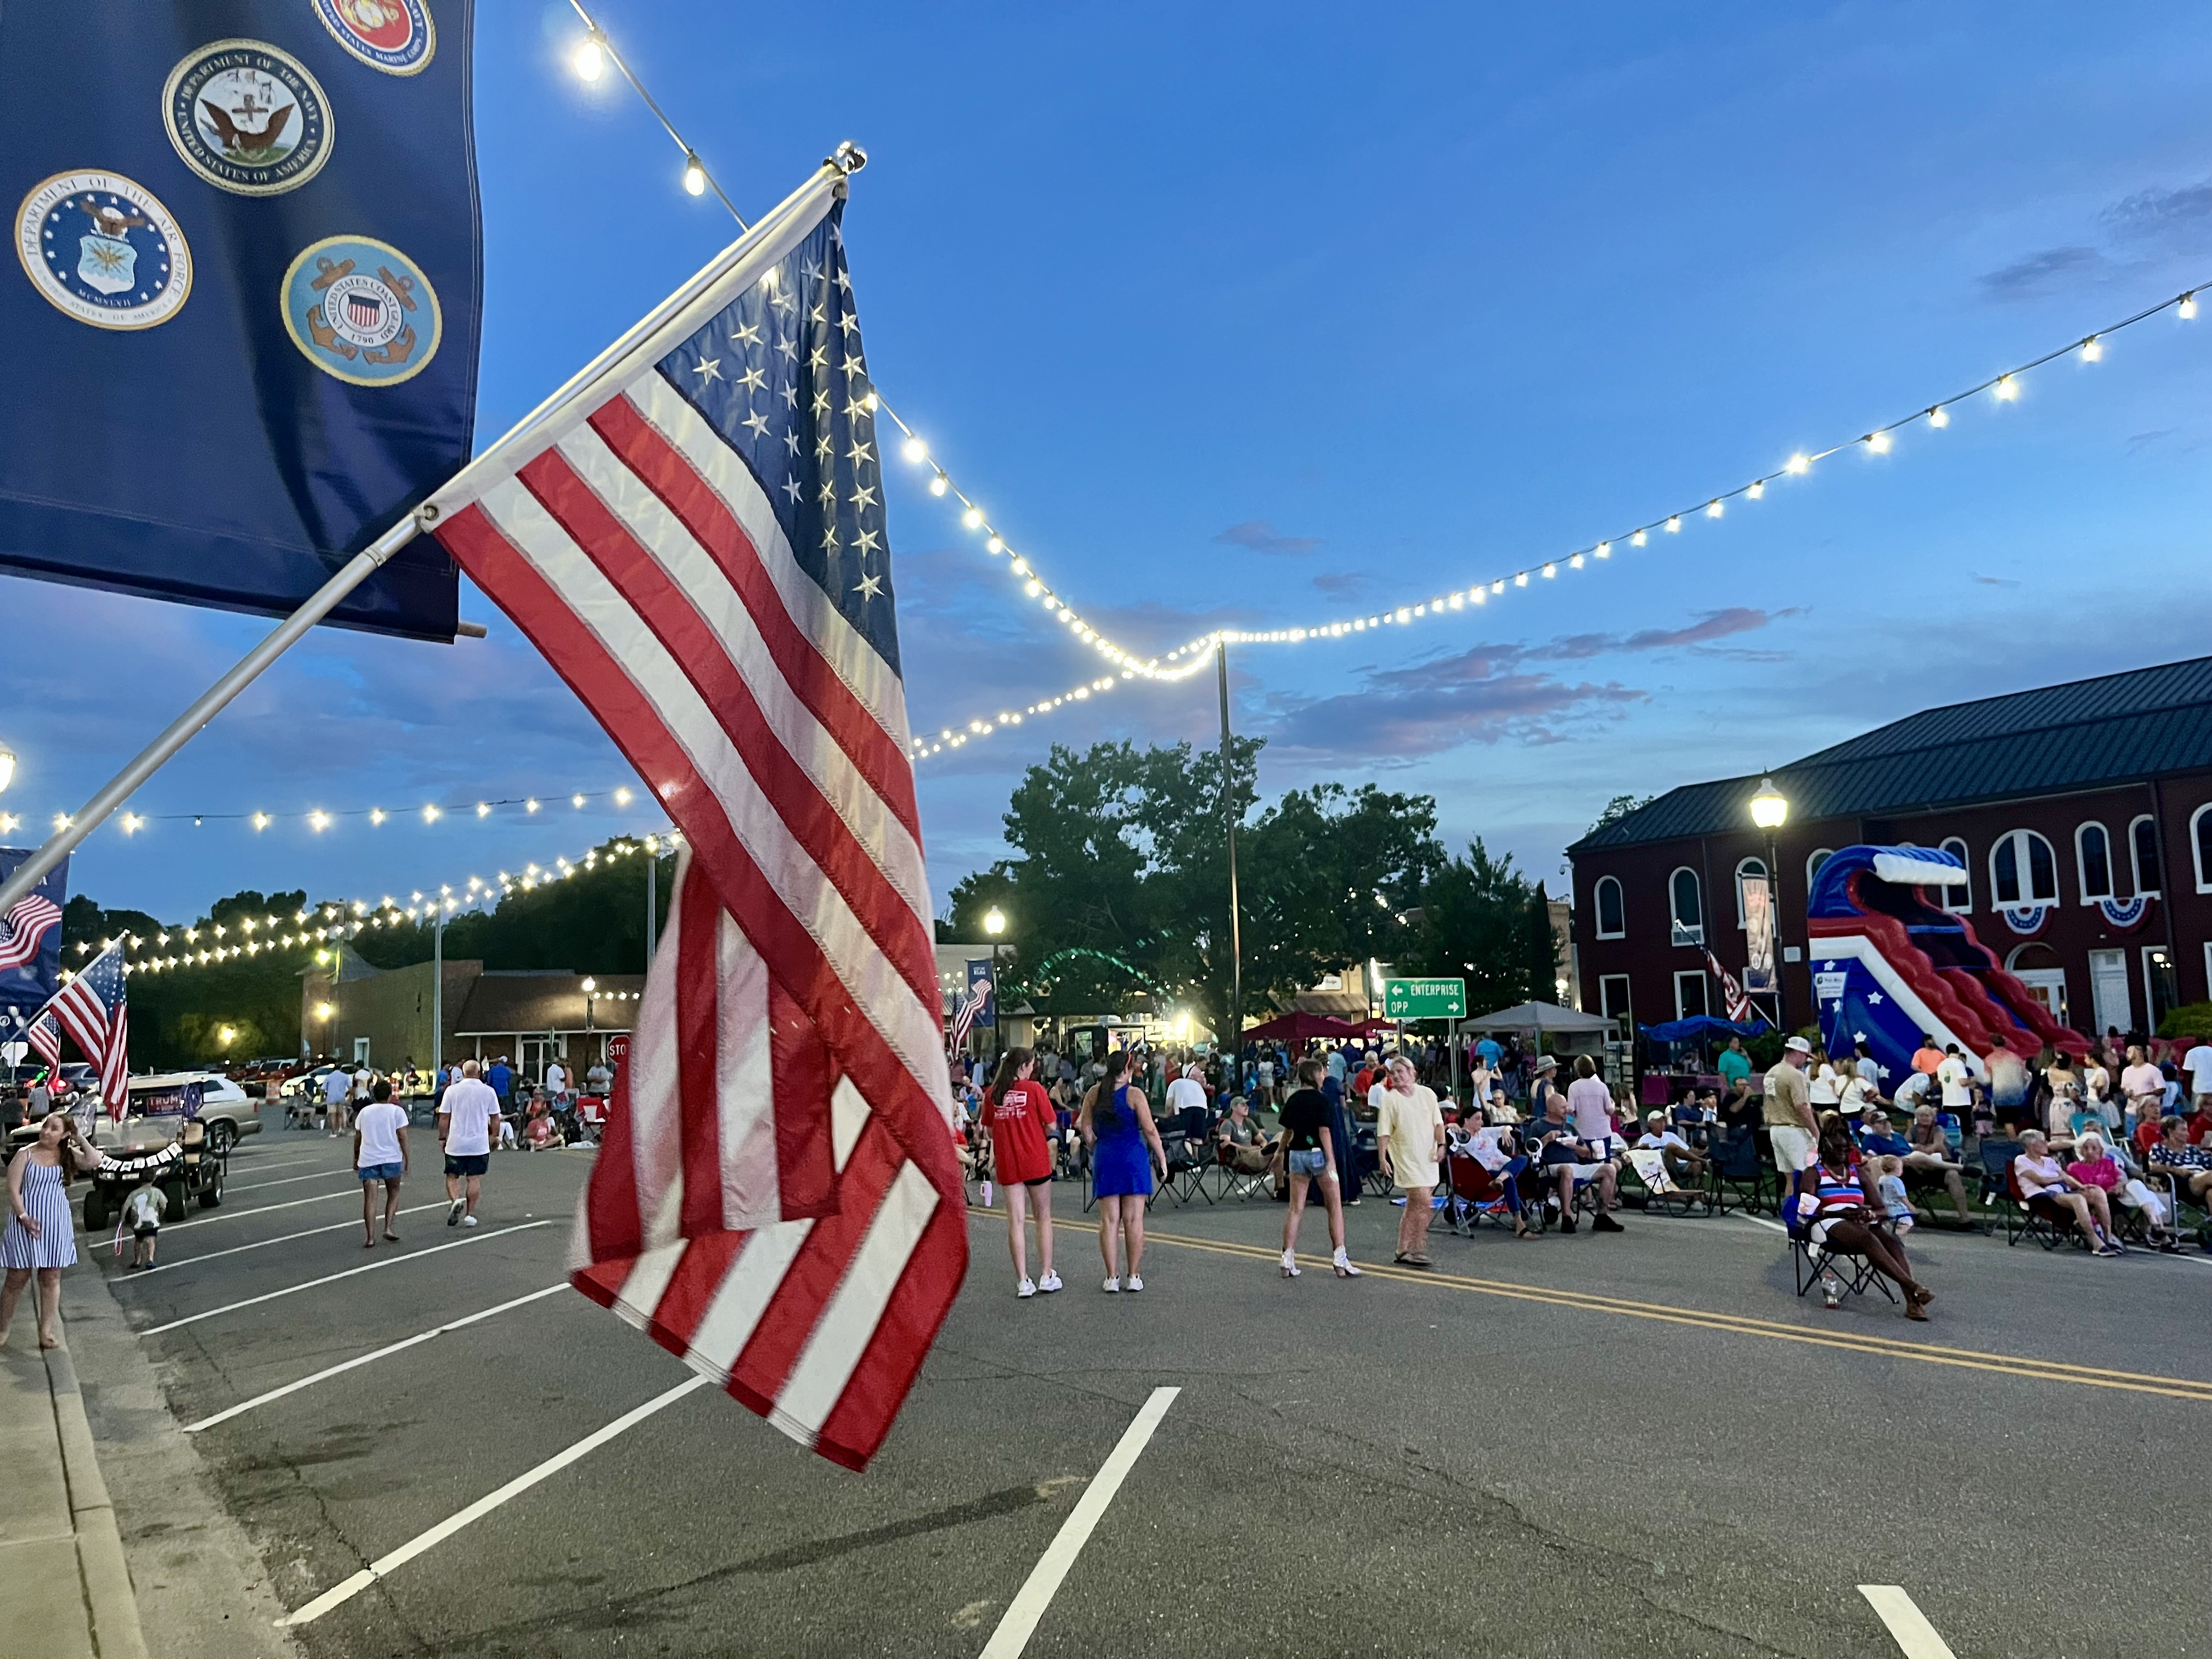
(1256, 315)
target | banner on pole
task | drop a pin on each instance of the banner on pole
(241, 329)
(30, 946)
(1759, 938)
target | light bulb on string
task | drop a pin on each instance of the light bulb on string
(2093, 350)
(694, 177)
(1939, 416)
(2187, 308)
(1878, 442)
(914, 450)
(939, 485)
(590, 61)
(2007, 388)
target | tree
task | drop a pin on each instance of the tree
(1619, 808)
(1485, 922)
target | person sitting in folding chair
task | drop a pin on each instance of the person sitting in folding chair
(1243, 1147)
(1573, 1163)
(1840, 1218)
(1684, 1164)
(2057, 1196)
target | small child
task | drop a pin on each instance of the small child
(144, 1210)
(1889, 1182)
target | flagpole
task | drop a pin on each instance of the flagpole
(831, 174)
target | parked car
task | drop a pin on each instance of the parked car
(306, 1082)
(226, 1110)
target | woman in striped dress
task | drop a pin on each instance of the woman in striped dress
(40, 1237)
(1838, 1213)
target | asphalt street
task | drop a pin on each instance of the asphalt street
(1632, 1444)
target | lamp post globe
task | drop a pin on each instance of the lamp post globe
(994, 921)
(995, 924)
(1770, 807)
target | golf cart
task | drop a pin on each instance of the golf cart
(164, 1135)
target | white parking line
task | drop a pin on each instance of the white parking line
(1907, 1625)
(338, 1595)
(332, 1279)
(205, 1217)
(324, 1375)
(254, 1166)
(1043, 1582)
(261, 1244)
(282, 1181)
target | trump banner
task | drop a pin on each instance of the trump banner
(30, 946)
(241, 335)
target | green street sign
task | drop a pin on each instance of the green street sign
(1424, 999)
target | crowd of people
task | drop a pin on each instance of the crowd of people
(2110, 1147)
(558, 1110)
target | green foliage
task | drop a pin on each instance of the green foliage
(1619, 808)
(2191, 1019)
(1482, 920)
(1118, 892)
(592, 921)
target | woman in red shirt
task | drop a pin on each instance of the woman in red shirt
(1015, 1113)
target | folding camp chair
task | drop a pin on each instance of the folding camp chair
(1735, 1170)
(1188, 1162)
(1472, 1195)
(2040, 1218)
(1812, 1263)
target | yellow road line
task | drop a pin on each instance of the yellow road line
(2047, 1370)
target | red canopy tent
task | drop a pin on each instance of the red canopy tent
(1303, 1028)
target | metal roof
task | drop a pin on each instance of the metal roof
(2118, 728)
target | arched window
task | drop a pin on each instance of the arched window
(1961, 899)
(2092, 858)
(1820, 856)
(1612, 923)
(2199, 842)
(2023, 870)
(1686, 906)
(2142, 844)
(1752, 871)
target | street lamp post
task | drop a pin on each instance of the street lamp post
(995, 924)
(1770, 810)
(591, 994)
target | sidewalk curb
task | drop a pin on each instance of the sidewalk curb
(109, 1596)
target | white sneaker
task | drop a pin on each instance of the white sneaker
(1025, 1290)
(453, 1212)
(1111, 1286)
(1132, 1283)
(468, 1221)
(1049, 1283)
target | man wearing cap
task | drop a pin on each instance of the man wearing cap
(1789, 1112)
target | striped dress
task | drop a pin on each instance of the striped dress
(45, 1197)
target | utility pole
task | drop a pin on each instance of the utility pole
(652, 906)
(1236, 1032)
(438, 996)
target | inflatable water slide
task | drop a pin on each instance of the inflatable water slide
(1890, 967)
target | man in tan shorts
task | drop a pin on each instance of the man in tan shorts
(1790, 1125)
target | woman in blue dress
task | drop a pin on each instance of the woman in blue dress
(1125, 1150)
(40, 1237)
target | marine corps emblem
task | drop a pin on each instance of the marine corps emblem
(395, 36)
(101, 248)
(248, 118)
(362, 310)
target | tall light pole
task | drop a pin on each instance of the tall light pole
(652, 900)
(1234, 1037)
(1770, 810)
(995, 924)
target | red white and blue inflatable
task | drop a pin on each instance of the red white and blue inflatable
(1889, 966)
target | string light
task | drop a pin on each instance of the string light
(590, 62)
(694, 177)
(1189, 658)
(318, 819)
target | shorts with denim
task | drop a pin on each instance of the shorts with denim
(369, 1172)
(1311, 1162)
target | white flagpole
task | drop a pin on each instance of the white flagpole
(831, 175)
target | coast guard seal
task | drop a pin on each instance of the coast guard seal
(101, 248)
(395, 36)
(362, 310)
(248, 118)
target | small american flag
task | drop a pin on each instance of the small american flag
(693, 536)
(46, 1036)
(24, 929)
(963, 1015)
(92, 1008)
(1732, 992)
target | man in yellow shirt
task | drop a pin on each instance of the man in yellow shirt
(1409, 1134)
(1790, 1125)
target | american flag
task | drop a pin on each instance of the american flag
(24, 929)
(92, 1009)
(963, 1015)
(694, 537)
(46, 1036)
(1732, 992)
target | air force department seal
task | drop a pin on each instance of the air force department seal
(362, 310)
(101, 248)
(395, 36)
(248, 118)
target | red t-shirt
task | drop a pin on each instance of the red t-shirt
(1016, 1120)
(2148, 1135)
(2200, 1126)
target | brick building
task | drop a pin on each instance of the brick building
(2082, 811)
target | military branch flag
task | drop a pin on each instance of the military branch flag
(93, 1008)
(1732, 992)
(693, 536)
